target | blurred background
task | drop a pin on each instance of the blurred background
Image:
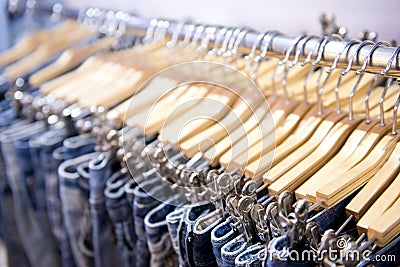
(290, 17)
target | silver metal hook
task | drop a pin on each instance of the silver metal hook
(361, 72)
(286, 67)
(300, 49)
(389, 64)
(175, 35)
(317, 45)
(266, 42)
(381, 109)
(320, 54)
(371, 87)
(225, 41)
(396, 107)
(221, 33)
(347, 49)
(356, 54)
(311, 71)
(253, 50)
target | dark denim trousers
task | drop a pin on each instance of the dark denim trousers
(202, 247)
(159, 243)
(253, 256)
(173, 222)
(119, 209)
(39, 245)
(74, 194)
(232, 249)
(220, 236)
(192, 213)
(104, 247)
(142, 204)
(15, 251)
(50, 160)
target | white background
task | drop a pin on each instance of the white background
(290, 17)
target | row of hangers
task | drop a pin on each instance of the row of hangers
(302, 142)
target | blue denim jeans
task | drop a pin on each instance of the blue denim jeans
(15, 251)
(232, 249)
(221, 235)
(74, 195)
(253, 256)
(192, 213)
(50, 160)
(105, 250)
(39, 245)
(385, 257)
(142, 204)
(158, 240)
(120, 211)
(202, 247)
(279, 255)
(173, 221)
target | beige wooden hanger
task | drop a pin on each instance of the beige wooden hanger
(262, 152)
(45, 51)
(71, 58)
(374, 188)
(241, 112)
(213, 154)
(32, 42)
(387, 226)
(184, 127)
(380, 206)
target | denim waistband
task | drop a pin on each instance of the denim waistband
(67, 170)
(118, 179)
(232, 249)
(251, 257)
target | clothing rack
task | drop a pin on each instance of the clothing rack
(278, 46)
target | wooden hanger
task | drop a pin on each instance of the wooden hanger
(387, 226)
(262, 154)
(184, 127)
(71, 58)
(317, 158)
(374, 188)
(46, 51)
(32, 42)
(280, 111)
(241, 112)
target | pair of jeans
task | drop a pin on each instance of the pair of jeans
(119, 209)
(253, 256)
(74, 184)
(15, 251)
(232, 249)
(203, 255)
(50, 160)
(191, 214)
(38, 245)
(385, 257)
(280, 254)
(173, 222)
(158, 240)
(54, 155)
(142, 204)
(220, 236)
(104, 247)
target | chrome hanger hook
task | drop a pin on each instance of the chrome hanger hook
(396, 107)
(266, 43)
(361, 72)
(356, 55)
(286, 67)
(300, 49)
(389, 64)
